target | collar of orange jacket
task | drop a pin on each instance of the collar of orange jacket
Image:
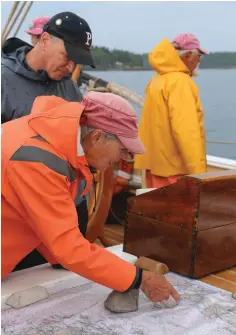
(57, 121)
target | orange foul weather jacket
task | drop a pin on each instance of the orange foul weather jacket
(40, 173)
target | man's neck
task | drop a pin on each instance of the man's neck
(34, 60)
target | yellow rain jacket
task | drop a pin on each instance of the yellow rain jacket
(172, 125)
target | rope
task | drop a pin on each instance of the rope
(220, 142)
(14, 21)
(12, 12)
(23, 18)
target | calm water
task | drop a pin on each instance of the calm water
(218, 95)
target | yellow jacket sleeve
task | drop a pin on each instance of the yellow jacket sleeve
(187, 129)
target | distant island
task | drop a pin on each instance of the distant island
(106, 59)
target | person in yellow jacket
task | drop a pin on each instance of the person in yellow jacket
(172, 125)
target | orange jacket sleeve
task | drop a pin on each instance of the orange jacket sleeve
(46, 254)
(52, 215)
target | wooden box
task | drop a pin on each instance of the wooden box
(190, 225)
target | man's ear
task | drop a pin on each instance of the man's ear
(45, 39)
(97, 136)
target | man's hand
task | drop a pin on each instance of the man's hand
(157, 288)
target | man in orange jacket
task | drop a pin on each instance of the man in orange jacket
(50, 152)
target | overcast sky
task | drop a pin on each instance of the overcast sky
(139, 26)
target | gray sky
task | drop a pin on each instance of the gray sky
(139, 26)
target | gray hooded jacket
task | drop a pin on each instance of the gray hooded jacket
(21, 85)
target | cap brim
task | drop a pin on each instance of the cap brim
(204, 52)
(79, 55)
(134, 145)
(34, 31)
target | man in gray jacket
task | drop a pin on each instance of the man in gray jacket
(29, 72)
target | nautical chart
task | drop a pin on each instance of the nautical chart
(203, 310)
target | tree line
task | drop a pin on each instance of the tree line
(106, 59)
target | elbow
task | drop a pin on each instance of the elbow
(70, 249)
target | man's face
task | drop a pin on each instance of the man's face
(192, 60)
(102, 152)
(55, 60)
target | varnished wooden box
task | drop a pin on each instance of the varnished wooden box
(190, 225)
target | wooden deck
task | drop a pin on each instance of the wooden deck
(225, 280)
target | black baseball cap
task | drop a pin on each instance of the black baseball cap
(76, 34)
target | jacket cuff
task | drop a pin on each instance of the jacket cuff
(137, 280)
